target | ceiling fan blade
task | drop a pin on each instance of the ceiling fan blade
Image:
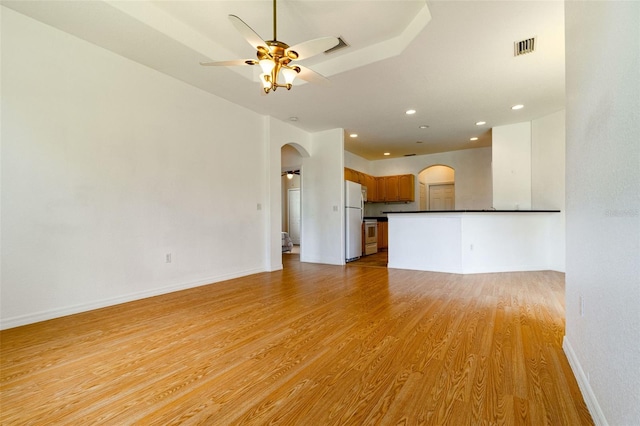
(247, 32)
(311, 76)
(311, 48)
(229, 63)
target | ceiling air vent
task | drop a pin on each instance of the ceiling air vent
(523, 47)
(341, 45)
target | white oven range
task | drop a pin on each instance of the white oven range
(370, 236)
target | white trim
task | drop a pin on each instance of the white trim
(583, 383)
(70, 310)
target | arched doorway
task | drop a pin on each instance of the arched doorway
(437, 188)
(291, 198)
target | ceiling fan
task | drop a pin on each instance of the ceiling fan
(290, 173)
(276, 58)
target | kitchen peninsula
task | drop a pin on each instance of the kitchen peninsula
(472, 241)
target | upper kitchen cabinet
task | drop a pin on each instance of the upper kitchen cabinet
(391, 182)
(350, 175)
(384, 189)
(355, 176)
(363, 179)
(406, 188)
(372, 188)
(400, 188)
(381, 186)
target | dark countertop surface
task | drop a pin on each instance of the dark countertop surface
(378, 218)
(476, 211)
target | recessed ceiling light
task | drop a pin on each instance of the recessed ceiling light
(424, 126)
(353, 135)
(293, 118)
(410, 111)
(481, 123)
(387, 153)
(473, 139)
(519, 106)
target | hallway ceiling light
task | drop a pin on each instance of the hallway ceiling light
(516, 107)
(410, 111)
(481, 123)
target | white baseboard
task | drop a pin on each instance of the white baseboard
(31, 318)
(310, 259)
(585, 387)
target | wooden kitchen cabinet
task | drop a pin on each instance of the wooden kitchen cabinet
(406, 188)
(372, 188)
(391, 182)
(384, 188)
(383, 235)
(350, 175)
(381, 186)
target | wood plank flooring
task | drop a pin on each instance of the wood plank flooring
(378, 260)
(309, 345)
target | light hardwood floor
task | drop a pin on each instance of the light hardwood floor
(309, 345)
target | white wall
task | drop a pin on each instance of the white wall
(107, 166)
(472, 174)
(548, 178)
(356, 162)
(528, 173)
(548, 162)
(511, 148)
(603, 206)
(323, 213)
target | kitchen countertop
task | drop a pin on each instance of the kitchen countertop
(476, 211)
(378, 218)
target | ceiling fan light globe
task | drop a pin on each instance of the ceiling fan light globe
(289, 75)
(265, 79)
(267, 66)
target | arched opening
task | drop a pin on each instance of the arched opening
(291, 156)
(437, 188)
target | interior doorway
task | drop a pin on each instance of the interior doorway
(294, 215)
(291, 196)
(437, 188)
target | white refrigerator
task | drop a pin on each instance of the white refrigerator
(354, 206)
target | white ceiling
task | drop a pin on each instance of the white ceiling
(452, 61)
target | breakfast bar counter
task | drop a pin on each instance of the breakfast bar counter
(473, 241)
